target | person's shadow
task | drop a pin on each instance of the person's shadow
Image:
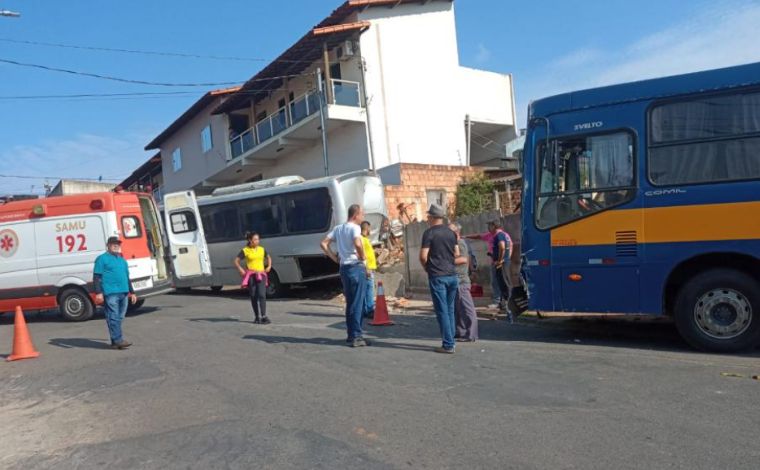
(331, 342)
(68, 343)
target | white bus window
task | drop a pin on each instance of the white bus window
(262, 215)
(308, 211)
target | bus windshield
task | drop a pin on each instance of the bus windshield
(581, 175)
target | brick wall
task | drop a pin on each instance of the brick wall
(417, 179)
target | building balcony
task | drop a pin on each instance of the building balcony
(346, 104)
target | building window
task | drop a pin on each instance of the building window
(206, 142)
(705, 140)
(177, 159)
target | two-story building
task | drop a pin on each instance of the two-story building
(375, 85)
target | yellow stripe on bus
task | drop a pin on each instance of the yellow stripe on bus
(706, 222)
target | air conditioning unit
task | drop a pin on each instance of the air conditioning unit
(346, 51)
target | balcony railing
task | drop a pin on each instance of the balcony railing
(345, 93)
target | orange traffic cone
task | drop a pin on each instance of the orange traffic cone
(381, 309)
(22, 341)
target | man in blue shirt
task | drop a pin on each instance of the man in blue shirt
(113, 289)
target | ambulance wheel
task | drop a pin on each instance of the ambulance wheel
(75, 305)
(275, 289)
(133, 307)
(719, 311)
(216, 289)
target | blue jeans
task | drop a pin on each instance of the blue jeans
(495, 286)
(115, 307)
(443, 289)
(369, 296)
(354, 279)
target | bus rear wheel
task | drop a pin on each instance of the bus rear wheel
(275, 289)
(75, 305)
(719, 311)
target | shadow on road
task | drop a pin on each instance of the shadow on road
(332, 342)
(216, 320)
(68, 343)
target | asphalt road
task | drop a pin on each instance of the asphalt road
(203, 387)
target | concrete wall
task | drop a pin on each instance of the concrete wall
(416, 280)
(347, 152)
(66, 187)
(196, 165)
(486, 96)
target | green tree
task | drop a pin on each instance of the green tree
(474, 195)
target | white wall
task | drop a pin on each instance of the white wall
(196, 165)
(347, 152)
(486, 96)
(412, 84)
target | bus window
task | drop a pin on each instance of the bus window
(262, 215)
(308, 211)
(579, 176)
(221, 222)
(709, 139)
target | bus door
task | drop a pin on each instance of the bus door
(187, 241)
(587, 192)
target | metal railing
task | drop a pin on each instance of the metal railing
(345, 93)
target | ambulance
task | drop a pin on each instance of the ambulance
(48, 248)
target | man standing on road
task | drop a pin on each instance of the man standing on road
(495, 284)
(439, 249)
(466, 317)
(113, 289)
(502, 254)
(353, 272)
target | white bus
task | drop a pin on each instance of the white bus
(292, 216)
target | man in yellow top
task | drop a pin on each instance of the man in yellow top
(255, 276)
(371, 262)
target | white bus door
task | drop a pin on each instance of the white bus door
(187, 241)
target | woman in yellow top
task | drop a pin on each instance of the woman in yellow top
(371, 261)
(257, 266)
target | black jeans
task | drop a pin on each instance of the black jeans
(502, 277)
(258, 293)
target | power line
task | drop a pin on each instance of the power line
(145, 52)
(27, 177)
(134, 95)
(140, 82)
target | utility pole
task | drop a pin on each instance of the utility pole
(322, 119)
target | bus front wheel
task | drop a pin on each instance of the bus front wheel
(719, 311)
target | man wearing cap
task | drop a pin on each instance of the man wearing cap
(113, 289)
(437, 254)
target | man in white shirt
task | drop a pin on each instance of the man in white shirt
(353, 272)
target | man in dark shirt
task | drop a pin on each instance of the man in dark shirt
(437, 255)
(502, 254)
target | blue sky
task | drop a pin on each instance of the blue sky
(549, 46)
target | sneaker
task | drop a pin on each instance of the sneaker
(464, 340)
(493, 306)
(359, 343)
(442, 350)
(266, 321)
(121, 345)
(257, 321)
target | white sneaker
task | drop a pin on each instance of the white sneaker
(493, 306)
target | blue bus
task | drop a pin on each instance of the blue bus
(644, 198)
